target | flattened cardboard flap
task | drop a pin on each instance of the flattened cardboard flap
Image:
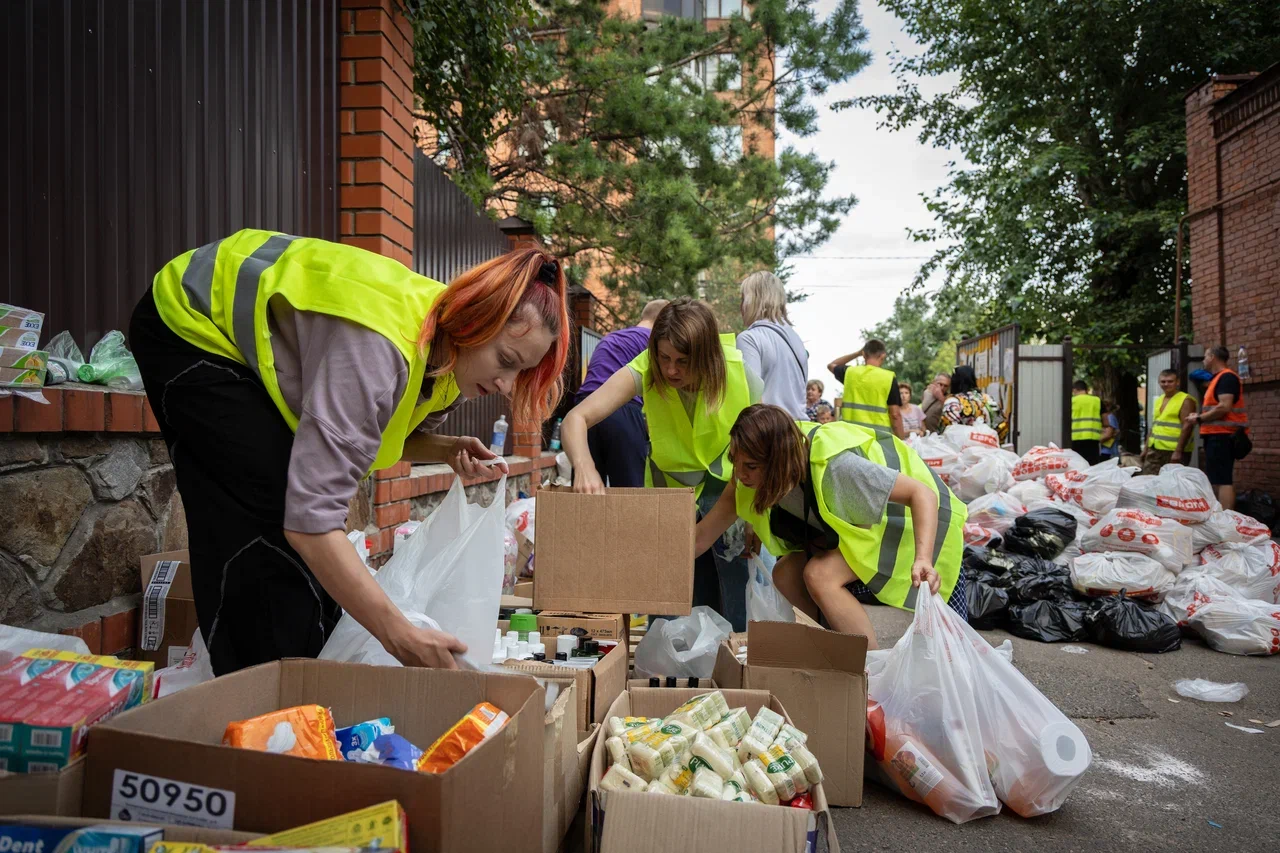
(787, 644)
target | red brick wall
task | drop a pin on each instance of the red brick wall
(1235, 254)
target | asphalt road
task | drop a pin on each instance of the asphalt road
(1163, 773)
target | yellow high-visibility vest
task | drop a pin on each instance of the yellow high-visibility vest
(880, 555)
(216, 298)
(1166, 425)
(681, 452)
(866, 388)
(1086, 418)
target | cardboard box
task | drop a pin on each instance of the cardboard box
(19, 339)
(490, 800)
(23, 359)
(627, 551)
(681, 684)
(13, 317)
(597, 687)
(821, 676)
(567, 757)
(524, 589)
(168, 609)
(21, 377)
(175, 834)
(382, 827)
(43, 793)
(628, 822)
(598, 626)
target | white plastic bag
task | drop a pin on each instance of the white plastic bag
(1239, 626)
(1111, 571)
(1184, 493)
(936, 453)
(977, 535)
(877, 658)
(765, 603)
(1191, 592)
(1094, 490)
(1040, 461)
(361, 543)
(447, 576)
(684, 647)
(960, 436)
(1027, 491)
(1163, 539)
(15, 641)
(519, 517)
(924, 729)
(1211, 691)
(996, 511)
(194, 668)
(982, 470)
(1226, 525)
(1252, 568)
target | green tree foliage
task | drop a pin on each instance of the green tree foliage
(920, 341)
(1070, 116)
(632, 146)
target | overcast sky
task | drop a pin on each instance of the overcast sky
(887, 171)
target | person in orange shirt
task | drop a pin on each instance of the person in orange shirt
(1222, 416)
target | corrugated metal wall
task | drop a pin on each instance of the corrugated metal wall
(138, 129)
(449, 234)
(1039, 396)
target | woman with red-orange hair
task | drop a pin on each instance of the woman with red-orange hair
(284, 370)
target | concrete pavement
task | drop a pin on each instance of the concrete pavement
(1161, 770)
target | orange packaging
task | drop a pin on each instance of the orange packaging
(481, 722)
(305, 731)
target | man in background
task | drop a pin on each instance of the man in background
(1086, 422)
(871, 395)
(620, 443)
(1222, 416)
(934, 394)
(1169, 432)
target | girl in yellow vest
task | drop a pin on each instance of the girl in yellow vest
(854, 512)
(693, 384)
(282, 371)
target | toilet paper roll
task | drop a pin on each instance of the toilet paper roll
(1064, 750)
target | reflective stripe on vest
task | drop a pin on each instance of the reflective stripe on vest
(1235, 418)
(217, 299)
(866, 388)
(1166, 428)
(1086, 418)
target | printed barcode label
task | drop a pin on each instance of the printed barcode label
(52, 740)
(42, 767)
(6, 734)
(153, 604)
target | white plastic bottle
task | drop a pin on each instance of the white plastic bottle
(1242, 362)
(499, 435)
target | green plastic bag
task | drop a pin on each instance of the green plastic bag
(111, 364)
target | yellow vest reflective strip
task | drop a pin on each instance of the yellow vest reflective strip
(1166, 428)
(866, 388)
(1086, 418)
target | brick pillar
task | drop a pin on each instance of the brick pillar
(376, 129)
(375, 168)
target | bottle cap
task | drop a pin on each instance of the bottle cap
(534, 638)
(523, 623)
(537, 649)
(513, 636)
(566, 643)
(562, 656)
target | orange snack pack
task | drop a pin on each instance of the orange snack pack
(481, 722)
(305, 731)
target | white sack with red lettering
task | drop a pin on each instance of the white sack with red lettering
(1226, 525)
(960, 437)
(1109, 572)
(977, 535)
(1240, 627)
(1030, 490)
(1095, 489)
(1176, 492)
(1192, 590)
(1039, 462)
(936, 453)
(981, 471)
(1163, 539)
(1252, 568)
(995, 511)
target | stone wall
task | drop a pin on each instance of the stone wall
(83, 508)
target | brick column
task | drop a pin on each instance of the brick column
(376, 129)
(375, 167)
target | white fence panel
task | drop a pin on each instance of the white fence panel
(1039, 391)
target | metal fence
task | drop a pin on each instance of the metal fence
(994, 359)
(135, 130)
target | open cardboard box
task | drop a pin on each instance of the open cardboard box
(490, 800)
(566, 756)
(597, 687)
(626, 551)
(628, 822)
(820, 676)
(43, 793)
(179, 834)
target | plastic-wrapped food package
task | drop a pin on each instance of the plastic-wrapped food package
(924, 727)
(1252, 568)
(1225, 525)
(1109, 572)
(1049, 621)
(996, 511)
(1163, 539)
(1039, 462)
(481, 722)
(1028, 491)
(977, 535)
(1191, 591)
(938, 454)
(305, 731)
(1239, 626)
(983, 470)
(1044, 532)
(1133, 626)
(961, 437)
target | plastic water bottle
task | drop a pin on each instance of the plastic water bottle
(555, 434)
(499, 435)
(1242, 362)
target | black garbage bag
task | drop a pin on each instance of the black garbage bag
(1258, 504)
(987, 604)
(1042, 532)
(1035, 579)
(1004, 581)
(1049, 621)
(987, 559)
(1125, 623)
